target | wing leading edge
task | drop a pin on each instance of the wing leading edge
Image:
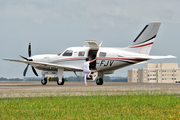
(50, 65)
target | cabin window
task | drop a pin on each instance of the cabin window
(81, 53)
(68, 53)
(102, 54)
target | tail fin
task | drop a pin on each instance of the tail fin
(144, 41)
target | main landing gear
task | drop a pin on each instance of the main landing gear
(94, 75)
(99, 81)
(59, 82)
(59, 73)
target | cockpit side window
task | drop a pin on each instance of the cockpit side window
(68, 53)
(81, 53)
(102, 54)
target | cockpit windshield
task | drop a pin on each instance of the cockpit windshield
(66, 53)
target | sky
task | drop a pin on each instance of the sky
(54, 25)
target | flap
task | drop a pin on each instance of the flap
(92, 44)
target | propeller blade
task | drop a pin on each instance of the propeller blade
(34, 71)
(23, 57)
(29, 50)
(25, 70)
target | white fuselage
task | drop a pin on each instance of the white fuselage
(108, 59)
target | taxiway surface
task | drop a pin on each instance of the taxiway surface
(34, 88)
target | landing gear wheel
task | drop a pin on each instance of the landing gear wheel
(44, 81)
(99, 81)
(60, 82)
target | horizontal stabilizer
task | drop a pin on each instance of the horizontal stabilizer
(147, 57)
(161, 57)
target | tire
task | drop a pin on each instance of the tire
(99, 81)
(44, 81)
(60, 83)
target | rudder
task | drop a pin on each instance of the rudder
(144, 41)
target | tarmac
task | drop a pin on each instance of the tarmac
(13, 89)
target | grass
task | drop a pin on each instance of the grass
(129, 106)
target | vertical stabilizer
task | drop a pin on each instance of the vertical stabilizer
(144, 41)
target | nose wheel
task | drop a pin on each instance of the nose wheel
(44, 81)
(99, 81)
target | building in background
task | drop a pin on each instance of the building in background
(155, 73)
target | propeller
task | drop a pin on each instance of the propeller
(33, 69)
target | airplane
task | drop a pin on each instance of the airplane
(108, 60)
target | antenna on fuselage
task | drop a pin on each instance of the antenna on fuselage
(100, 44)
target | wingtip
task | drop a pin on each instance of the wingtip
(171, 56)
(5, 59)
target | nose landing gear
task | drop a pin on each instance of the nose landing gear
(44, 81)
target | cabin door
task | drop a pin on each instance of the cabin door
(93, 49)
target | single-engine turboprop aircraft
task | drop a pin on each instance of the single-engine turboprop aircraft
(108, 59)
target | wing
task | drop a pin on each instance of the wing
(48, 66)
